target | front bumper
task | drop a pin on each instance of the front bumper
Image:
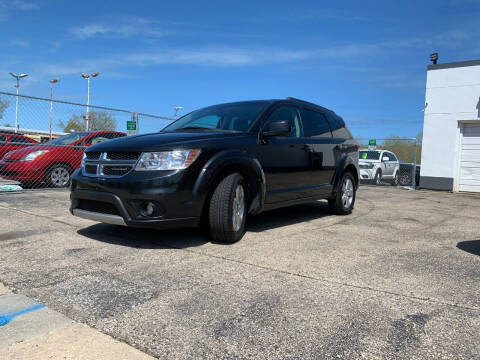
(119, 201)
(367, 174)
(21, 170)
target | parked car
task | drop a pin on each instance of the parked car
(219, 164)
(12, 141)
(379, 165)
(52, 162)
(405, 178)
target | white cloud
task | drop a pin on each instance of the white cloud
(18, 5)
(19, 43)
(126, 27)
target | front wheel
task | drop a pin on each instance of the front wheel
(378, 178)
(344, 199)
(395, 180)
(59, 176)
(228, 209)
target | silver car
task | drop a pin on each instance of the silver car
(378, 166)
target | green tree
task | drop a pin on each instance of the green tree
(403, 148)
(97, 120)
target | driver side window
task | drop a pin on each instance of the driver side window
(290, 114)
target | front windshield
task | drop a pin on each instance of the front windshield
(230, 117)
(67, 139)
(369, 155)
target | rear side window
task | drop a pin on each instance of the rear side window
(392, 157)
(335, 121)
(3, 139)
(19, 140)
(315, 124)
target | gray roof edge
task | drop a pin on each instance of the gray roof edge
(453, 65)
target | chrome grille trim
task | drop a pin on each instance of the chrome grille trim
(103, 161)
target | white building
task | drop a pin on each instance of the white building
(451, 129)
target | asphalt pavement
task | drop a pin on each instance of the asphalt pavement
(397, 279)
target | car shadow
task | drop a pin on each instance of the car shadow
(471, 246)
(192, 237)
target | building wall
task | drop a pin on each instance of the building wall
(452, 97)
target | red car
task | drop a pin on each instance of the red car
(10, 142)
(52, 162)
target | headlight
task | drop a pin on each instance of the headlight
(83, 159)
(167, 160)
(33, 155)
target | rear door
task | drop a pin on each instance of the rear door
(319, 137)
(286, 159)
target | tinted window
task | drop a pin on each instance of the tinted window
(335, 121)
(233, 117)
(3, 139)
(315, 124)
(392, 157)
(290, 114)
(18, 140)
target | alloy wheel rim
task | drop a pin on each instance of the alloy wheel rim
(60, 176)
(238, 208)
(347, 193)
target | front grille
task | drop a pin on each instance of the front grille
(11, 160)
(116, 170)
(109, 164)
(94, 155)
(97, 206)
(91, 169)
(122, 155)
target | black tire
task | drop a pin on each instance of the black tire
(221, 216)
(378, 177)
(337, 204)
(405, 180)
(395, 180)
(59, 176)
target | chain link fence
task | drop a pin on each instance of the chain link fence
(393, 161)
(42, 141)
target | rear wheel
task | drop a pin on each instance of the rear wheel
(344, 199)
(228, 209)
(59, 176)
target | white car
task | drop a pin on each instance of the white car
(378, 166)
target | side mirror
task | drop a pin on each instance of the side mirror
(277, 128)
(385, 158)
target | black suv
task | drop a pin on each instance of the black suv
(219, 164)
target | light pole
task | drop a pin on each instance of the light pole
(52, 81)
(88, 77)
(177, 109)
(18, 77)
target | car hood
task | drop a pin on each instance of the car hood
(21, 153)
(367, 161)
(151, 142)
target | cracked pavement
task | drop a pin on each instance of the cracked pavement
(397, 279)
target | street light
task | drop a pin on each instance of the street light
(18, 77)
(177, 109)
(88, 77)
(52, 81)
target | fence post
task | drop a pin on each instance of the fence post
(414, 167)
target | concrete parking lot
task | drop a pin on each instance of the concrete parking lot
(399, 278)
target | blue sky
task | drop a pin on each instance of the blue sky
(366, 60)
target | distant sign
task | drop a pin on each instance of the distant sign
(372, 144)
(131, 127)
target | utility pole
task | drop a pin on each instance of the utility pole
(17, 77)
(88, 77)
(52, 81)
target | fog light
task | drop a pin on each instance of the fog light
(149, 209)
